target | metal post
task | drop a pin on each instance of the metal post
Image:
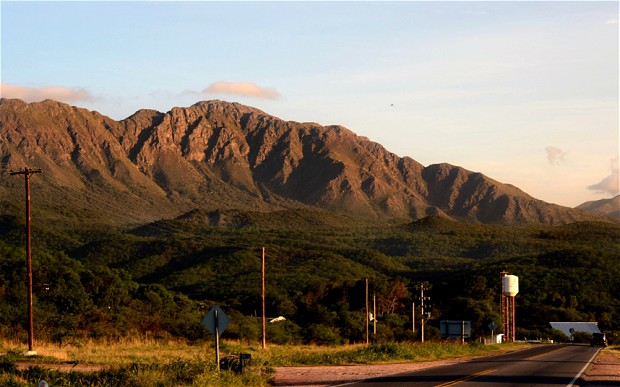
(27, 173)
(507, 318)
(503, 308)
(514, 324)
(374, 314)
(217, 339)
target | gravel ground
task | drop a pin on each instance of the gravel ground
(604, 372)
(322, 376)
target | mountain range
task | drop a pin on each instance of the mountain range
(217, 155)
(608, 207)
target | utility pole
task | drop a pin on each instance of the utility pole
(27, 173)
(263, 319)
(422, 301)
(367, 312)
(413, 317)
(425, 315)
(374, 314)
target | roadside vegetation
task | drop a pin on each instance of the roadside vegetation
(175, 363)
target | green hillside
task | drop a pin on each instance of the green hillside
(161, 278)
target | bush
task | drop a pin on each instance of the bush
(558, 336)
(243, 328)
(582, 337)
(322, 335)
(284, 332)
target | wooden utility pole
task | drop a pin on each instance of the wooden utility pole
(263, 319)
(367, 338)
(27, 173)
(413, 317)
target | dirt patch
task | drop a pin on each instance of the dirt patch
(605, 370)
(321, 376)
(64, 367)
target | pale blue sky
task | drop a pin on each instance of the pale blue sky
(524, 92)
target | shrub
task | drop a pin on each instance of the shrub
(322, 335)
(284, 332)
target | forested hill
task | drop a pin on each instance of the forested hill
(161, 278)
(216, 155)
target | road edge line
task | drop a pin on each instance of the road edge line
(572, 382)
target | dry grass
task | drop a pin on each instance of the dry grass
(158, 351)
(614, 350)
(136, 362)
(147, 362)
(114, 353)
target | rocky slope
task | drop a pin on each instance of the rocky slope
(218, 155)
(607, 207)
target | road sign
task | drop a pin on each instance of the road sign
(216, 316)
(452, 329)
(492, 325)
(216, 322)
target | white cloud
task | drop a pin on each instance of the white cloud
(34, 94)
(610, 184)
(247, 89)
(611, 21)
(555, 155)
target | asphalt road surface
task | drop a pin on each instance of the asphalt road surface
(545, 365)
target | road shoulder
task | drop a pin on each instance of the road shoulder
(605, 370)
(322, 376)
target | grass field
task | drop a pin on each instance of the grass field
(173, 363)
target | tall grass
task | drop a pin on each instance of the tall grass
(377, 353)
(128, 362)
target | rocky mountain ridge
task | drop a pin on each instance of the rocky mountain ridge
(608, 207)
(219, 155)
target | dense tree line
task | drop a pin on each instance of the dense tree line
(161, 279)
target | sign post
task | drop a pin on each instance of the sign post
(492, 326)
(216, 322)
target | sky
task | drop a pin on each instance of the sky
(524, 92)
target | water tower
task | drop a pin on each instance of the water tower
(510, 288)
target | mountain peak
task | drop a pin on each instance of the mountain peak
(217, 155)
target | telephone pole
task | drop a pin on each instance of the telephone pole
(27, 173)
(263, 319)
(426, 311)
(367, 313)
(413, 317)
(422, 321)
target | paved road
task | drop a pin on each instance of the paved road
(547, 365)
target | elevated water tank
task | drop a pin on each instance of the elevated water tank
(510, 287)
